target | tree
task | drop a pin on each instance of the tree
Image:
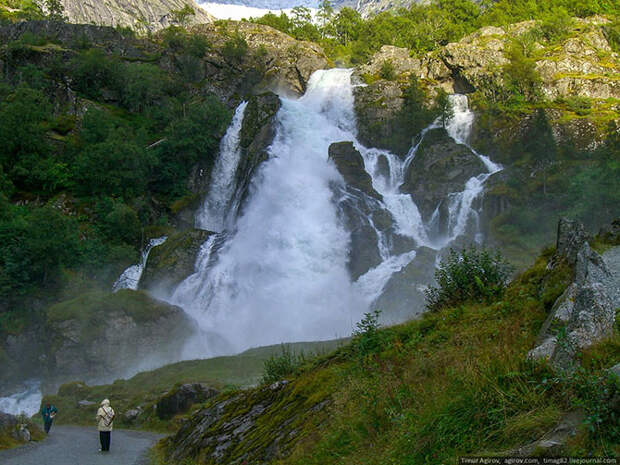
(55, 10)
(182, 16)
(324, 15)
(347, 24)
(444, 107)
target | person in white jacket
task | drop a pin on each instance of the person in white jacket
(105, 420)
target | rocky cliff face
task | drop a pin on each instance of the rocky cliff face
(140, 15)
(583, 65)
(249, 58)
(100, 336)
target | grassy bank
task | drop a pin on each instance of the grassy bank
(456, 382)
(144, 389)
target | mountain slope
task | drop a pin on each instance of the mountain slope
(142, 15)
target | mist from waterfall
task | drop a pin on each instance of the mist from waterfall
(279, 273)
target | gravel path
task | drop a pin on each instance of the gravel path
(74, 445)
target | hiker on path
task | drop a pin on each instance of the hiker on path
(48, 413)
(105, 420)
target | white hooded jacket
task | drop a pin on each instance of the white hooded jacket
(105, 416)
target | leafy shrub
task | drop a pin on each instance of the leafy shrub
(556, 26)
(387, 71)
(281, 365)
(235, 48)
(579, 105)
(594, 392)
(467, 276)
(367, 339)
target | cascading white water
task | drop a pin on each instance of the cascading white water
(281, 274)
(27, 401)
(130, 278)
(219, 207)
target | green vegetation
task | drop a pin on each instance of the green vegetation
(144, 389)
(8, 436)
(455, 382)
(348, 37)
(466, 276)
(81, 180)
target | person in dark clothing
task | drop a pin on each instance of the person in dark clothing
(48, 413)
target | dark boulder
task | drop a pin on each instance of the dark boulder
(350, 165)
(181, 398)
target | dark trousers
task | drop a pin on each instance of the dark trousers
(47, 425)
(104, 439)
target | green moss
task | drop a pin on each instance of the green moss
(94, 307)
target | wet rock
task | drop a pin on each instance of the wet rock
(180, 399)
(257, 132)
(377, 107)
(440, 167)
(350, 165)
(173, 261)
(403, 295)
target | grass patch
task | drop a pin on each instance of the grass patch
(144, 389)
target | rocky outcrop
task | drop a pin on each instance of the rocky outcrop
(140, 15)
(181, 398)
(172, 262)
(99, 336)
(402, 297)
(246, 58)
(257, 132)
(583, 65)
(362, 211)
(255, 426)
(440, 167)
(585, 313)
(350, 165)
(377, 107)
(16, 430)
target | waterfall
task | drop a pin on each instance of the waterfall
(220, 206)
(27, 401)
(130, 278)
(280, 273)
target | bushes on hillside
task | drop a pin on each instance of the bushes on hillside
(470, 275)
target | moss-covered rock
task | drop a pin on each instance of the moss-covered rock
(99, 336)
(173, 261)
(377, 107)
